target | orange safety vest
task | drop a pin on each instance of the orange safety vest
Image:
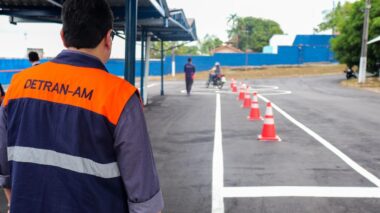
(60, 122)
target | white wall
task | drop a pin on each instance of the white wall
(15, 39)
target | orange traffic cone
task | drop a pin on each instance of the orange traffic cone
(232, 83)
(269, 131)
(247, 99)
(234, 88)
(242, 92)
(255, 114)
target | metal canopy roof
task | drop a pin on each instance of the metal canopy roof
(153, 17)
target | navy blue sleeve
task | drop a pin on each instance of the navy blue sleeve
(2, 90)
(4, 167)
(135, 159)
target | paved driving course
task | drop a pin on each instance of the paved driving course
(328, 160)
(209, 159)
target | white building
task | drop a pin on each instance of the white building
(279, 40)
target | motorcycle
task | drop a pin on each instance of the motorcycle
(350, 74)
(216, 81)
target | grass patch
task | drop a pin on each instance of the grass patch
(371, 84)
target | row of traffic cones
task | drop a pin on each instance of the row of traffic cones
(268, 132)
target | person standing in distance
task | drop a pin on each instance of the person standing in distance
(73, 138)
(34, 59)
(189, 70)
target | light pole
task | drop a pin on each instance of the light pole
(333, 27)
(363, 56)
(246, 48)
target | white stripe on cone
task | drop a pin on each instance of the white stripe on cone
(269, 111)
(269, 121)
(254, 105)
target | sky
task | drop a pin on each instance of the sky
(294, 17)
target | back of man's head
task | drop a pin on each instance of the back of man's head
(33, 56)
(189, 60)
(85, 22)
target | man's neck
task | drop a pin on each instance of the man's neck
(86, 51)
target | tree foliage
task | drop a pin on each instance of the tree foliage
(336, 19)
(180, 48)
(209, 43)
(347, 45)
(251, 33)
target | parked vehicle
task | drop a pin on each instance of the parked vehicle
(350, 73)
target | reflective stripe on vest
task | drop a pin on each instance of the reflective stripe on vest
(64, 161)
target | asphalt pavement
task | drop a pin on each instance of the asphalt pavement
(182, 131)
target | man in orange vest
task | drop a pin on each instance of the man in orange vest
(73, 137)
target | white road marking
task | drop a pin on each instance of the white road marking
(211, 91)
(277, 92)
(263, 87)
(149, 86)
(369, 176)
(300, 191)
(152, 85)
(217, 163)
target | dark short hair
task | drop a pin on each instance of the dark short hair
(85, 22)
(33, 56)
(189, 59)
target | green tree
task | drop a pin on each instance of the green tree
(233, 32)
(335, 19)
(251, 33)
(209, 43)
(347, 45)
(179, 49)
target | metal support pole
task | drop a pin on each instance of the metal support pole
(142, 64)
(130, 43)
(147, 66)
(173, 61)
(246, 60)
(162, 68)
(363, 56)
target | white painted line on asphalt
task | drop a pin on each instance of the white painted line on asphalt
(212, 92)
(217, 163)
(149, 86)
(277, 92)
(152, 85)
(263, 87)
(369, 176)
(300, 191)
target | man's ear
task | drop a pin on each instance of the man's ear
(108, 39)
(63, 38)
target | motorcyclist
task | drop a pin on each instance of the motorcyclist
(215, 72)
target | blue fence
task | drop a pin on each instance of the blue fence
(313, 40)
(287, 55)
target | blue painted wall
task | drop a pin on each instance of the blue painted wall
(313, 40)
(306, 49)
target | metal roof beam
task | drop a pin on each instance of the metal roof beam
(54, 3)
(158, 7)
(15, 20)
(29, 13)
